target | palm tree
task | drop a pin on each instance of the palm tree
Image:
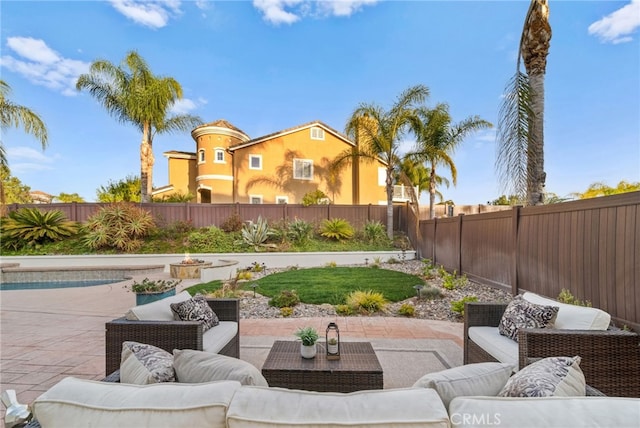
(436, 141)
(377, 133)
(520, 156)
(15, 116)
(133, 94)
(419, 176)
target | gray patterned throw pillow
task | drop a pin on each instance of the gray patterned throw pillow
(142, 364)
(195, 309)
(521, 313)
(549, 377)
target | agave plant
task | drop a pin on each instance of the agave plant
(30, 227)
(256, 234)
(121, 226)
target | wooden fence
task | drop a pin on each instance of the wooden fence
(590, 247)
(203, 215)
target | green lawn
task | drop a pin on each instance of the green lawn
(330, 284)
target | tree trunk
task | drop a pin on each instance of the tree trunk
(432, 191)
(146, 164)
(535, 148)
(389, 183)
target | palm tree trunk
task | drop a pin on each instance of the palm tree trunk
(389, 183)
(146, 164)
(535, 156)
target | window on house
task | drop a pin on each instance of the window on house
(282, 199)
(303, 169)
(317, 133)
(201, 156)
(255, 199)
(382, 177)
(255, 161)
(219, 156)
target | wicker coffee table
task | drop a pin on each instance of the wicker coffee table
(357, 369)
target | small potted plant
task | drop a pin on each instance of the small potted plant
(150, 290)
(308, 337)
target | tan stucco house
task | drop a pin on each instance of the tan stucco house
(228, 166)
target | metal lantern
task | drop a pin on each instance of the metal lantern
(332, 341)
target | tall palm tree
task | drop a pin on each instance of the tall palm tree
(16, 116)
(419, 176)
(436, 141)
(131, 93)
(520, 156)
(377, 134)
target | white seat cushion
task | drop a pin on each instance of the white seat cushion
(82, 402)
(548, 412)
(573, 317)
(498, 346)
(159, 310)
(259, 407)
(216, 338)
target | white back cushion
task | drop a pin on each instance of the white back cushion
(260, 407)
(158, 310)
(79, 402)
(573, 317)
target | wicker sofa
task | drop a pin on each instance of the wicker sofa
(610, 358)
(169, 335)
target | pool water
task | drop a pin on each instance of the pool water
(44, 285)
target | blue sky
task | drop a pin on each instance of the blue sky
(267, 65)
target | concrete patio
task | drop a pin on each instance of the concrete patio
(46, 335)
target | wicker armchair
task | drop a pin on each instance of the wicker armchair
(610, 359)
(168, 335)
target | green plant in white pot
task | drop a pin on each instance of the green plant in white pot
(308, 337)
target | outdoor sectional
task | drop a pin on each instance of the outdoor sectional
(610, 357)
(153, 324)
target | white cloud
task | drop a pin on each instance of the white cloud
(183, 106)
(154, 14)
(290, 11)
(43, 66)
(27, 159)
(618, 26)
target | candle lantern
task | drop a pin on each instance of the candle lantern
(333, 341)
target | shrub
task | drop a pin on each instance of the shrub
(331, 264)
(565, 296)
(314, 198)
(337, 229)
(210, 240)
(366, 301)
(308, 335)
(374, 232)
(299, 231)
(243, 275)
(286, 311)
(30, 227)
(256, 234)
(232, 224)
(285, 298)
(451, 281)
(407, 310)
(431, 293)
(344, 310)
(120, 226)
(152, 285)
(457, 306)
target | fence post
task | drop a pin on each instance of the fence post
(515, 222)
(459, 256)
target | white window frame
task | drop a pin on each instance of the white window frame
(254, 198)
(316, 133)
(295, 170)
(282, 199)
(202, 156)
(251, 158)
(217, 152)
(382, 176)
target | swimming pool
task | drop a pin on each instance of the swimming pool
(45, 285)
